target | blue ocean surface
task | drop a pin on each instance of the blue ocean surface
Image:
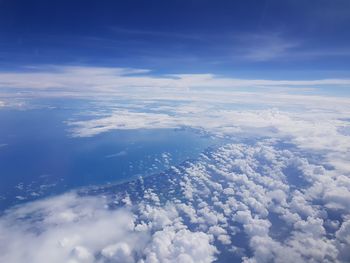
(39, 157)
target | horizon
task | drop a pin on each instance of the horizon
(180, 131)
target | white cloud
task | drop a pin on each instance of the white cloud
(69, 228)
(203, 101)
(170, 245)
(241, 184)
(315, 131)
(115, 80)
(187, 227)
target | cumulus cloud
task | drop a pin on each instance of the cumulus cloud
(71, 228)
(198, 220)
(179, 246)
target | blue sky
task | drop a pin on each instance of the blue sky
(249, 39)
(268, 82)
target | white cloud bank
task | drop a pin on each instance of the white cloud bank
(232, 192)
(316, 130)
(310, 121)
(69, 228)
(227, 193)
(103, 79)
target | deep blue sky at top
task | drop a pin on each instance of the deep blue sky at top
(247, 38)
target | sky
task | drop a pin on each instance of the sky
(267, 78)
(270, 39)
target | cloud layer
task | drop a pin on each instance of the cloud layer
(278, 190)
(210, 206)
(85, 80)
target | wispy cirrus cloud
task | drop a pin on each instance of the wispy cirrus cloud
(264, 47)
(277, 46)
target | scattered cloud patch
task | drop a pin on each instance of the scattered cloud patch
(208, 206)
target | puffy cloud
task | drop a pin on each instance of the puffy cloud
(338, 198)
(343, 234)
(72, 228)
(119, 252)
(170, 245)
(256, 196)
(236, 190)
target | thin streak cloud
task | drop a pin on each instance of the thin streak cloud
(99, 79)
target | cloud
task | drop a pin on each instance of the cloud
(71, 228)
(266, 47)
(195, 217)
(64, 80)
(118, 154)
(122, 120)
(202, 101)
(316, 130)
(238, 189)
(255, 187)
(179, 246)
(311, 121)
